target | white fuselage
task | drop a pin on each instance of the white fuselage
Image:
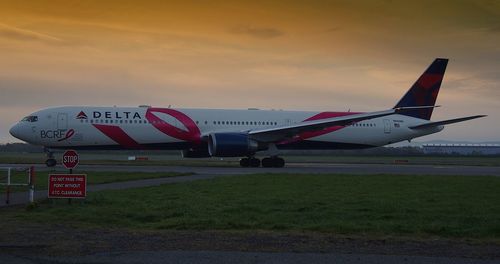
(166, 128)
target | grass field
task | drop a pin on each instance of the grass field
(393, 205)
(177, 160)
(93, 177)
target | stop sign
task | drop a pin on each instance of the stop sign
(70, 159)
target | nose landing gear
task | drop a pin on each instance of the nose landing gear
(51, 161)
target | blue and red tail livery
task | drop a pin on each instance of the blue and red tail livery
(425, 90)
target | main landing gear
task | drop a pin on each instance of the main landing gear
(271, 162)
(250, 162)
(51, 161)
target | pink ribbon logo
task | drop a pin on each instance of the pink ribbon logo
(192, 134)
(69, 134)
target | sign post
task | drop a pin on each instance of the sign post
(68, 185)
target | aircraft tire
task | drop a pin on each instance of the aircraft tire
(254, 162)
(278, 162)
(245, 162)
(267, 162)
(51, 162)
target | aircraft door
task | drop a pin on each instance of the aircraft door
(62, 121)
(387, 126)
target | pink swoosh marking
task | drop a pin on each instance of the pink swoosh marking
(322, 115)
(192, 134)
(118, 135)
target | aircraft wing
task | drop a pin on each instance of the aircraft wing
(446, 122)
(287, 132)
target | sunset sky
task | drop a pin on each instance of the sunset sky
(301, 55)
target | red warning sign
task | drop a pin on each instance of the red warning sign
(67, 185)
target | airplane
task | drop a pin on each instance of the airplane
(200, 133)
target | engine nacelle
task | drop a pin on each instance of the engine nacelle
(196, 153)
(231, 145)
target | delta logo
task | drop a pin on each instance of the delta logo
(81, 115)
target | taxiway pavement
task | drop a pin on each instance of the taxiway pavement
(323, 168)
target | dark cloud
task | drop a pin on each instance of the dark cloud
(258, 32)
(15, 33)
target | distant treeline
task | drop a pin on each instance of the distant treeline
(20, 147)
(380, 151)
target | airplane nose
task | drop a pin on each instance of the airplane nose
(14, 131)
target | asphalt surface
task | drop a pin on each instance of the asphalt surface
(222, 257)
(300, 168)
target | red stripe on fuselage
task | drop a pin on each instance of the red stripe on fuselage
(118, 135)
(322, 115)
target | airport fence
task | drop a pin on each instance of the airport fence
(18, 176)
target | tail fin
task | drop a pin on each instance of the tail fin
(425, 90)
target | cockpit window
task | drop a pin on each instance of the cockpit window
(30, 119)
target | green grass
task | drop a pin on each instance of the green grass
(396, 205)
(93, 177)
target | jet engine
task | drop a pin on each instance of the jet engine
(231, 145)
